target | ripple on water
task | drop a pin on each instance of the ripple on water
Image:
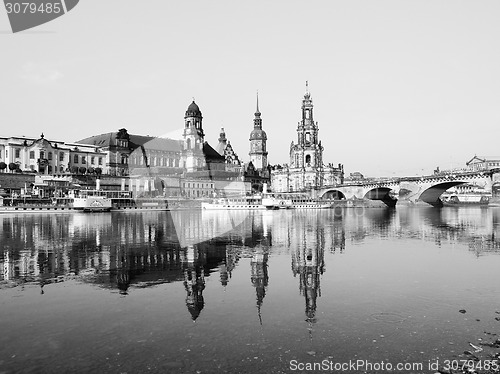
(389, 317)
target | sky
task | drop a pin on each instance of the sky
(398, 87)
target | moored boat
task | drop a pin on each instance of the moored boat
(466, 199)
(294, 201)
(234, 203)
(91, 201)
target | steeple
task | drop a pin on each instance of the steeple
(222, 142)
(257, 122)
(258, 139)
(257, 113)
(308, 152)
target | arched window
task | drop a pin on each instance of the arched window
(188, 142)
(308, 137)
(308, 159)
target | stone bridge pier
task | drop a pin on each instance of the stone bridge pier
(427, 189)
(386, 192)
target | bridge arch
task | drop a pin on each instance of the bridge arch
(381, 193)
(333, 194)
(431, 195)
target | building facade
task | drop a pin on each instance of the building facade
(39, 155)
(306, 169)
(483, 163)
(147, 165)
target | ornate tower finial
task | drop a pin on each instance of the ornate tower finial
(257, 113)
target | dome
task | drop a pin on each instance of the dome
(258, 134)
(193, 110)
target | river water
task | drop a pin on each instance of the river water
(247, 292)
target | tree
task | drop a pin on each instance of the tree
(74, 169)
(3, 166)
(82, 169)
(12, 166)
(98, 171)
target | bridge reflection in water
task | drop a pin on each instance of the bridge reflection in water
(130, 253)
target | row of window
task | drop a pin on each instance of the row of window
(156, 161)
(197, 193)
(84, 160)
(76, 158)
(198, 185)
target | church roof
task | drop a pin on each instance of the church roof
(135, 141)
(158, 144)
(211, 154)
(193, 110)
(258, 134)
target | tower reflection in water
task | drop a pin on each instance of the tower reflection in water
(194, 283)
(259, 276)
(310, 237)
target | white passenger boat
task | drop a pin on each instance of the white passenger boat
(234, 203)
(294, 201)
(457, 199)
(91, 201)
(271, 202)
(267, 201)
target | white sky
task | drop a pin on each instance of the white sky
(399, 87)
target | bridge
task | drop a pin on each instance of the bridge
(413, 189)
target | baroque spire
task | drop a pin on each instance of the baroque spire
(257, 113)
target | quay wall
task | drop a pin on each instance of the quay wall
(15, 180)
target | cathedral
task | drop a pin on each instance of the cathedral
(306, 169)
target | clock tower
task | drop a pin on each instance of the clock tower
(193, 139)
(258, 139)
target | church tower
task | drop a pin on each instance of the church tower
(308, 152)
(193, 138)
(258, 139)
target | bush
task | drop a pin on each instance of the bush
(13, 166)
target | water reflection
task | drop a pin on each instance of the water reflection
(119, 250)
(259, 276)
